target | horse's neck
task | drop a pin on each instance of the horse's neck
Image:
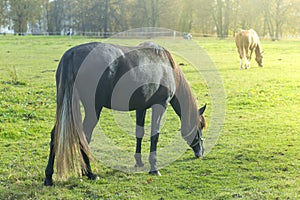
(258, 50)
(184, 104)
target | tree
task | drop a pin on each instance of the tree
(98, 16)
(56, 16)
(291, 26)
(186, 16)
(120, 15)
(23, 13)
(276, 14)
(3, 11)
(203, 19)
(221, 15)
(152, 13)
(45, 14)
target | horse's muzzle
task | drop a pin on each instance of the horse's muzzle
(200, 153)
(198, 150)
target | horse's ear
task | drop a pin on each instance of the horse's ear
(201, 110)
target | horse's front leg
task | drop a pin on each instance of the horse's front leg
(241, 63)
(49, 169)
(139, 132)
(247, 66)
(157, 113)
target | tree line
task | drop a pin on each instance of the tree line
(273, 18)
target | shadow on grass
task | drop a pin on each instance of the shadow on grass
(33, 187)
(12, 82)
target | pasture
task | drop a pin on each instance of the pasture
(257, 155)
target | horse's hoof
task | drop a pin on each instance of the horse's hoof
(156, 173)
(137, 165)
(48, 182)
(93, 177)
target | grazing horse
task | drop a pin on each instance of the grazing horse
(121, 78)
(248, 40)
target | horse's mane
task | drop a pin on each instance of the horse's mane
(172, 62)
(183, 89)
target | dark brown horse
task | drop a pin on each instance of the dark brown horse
(246, 42)
(121, 78)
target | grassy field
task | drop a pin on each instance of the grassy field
(257, 155)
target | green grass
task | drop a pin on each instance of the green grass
(257, 155)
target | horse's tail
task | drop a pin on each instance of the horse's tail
(69, 138)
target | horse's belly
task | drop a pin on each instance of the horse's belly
(128, 98)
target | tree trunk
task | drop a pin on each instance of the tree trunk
(226, 18)
(277, 19)
(220, 19)
(106, 18)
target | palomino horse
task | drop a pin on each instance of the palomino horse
(121, 78)
(247, 40)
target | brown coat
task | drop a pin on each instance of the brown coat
(246, 42)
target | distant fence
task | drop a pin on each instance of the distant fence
(147, 33)
(127, 34)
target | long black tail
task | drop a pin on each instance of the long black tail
(69, 138)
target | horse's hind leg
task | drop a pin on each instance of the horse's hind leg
(90, 121)
(157, 113)
(49, 169)
(88, 171)
(139, 132)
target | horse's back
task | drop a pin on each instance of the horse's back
(113, 74)
(246, 39)
(143, 76)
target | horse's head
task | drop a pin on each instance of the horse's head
(197, 144)
(259, 59)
